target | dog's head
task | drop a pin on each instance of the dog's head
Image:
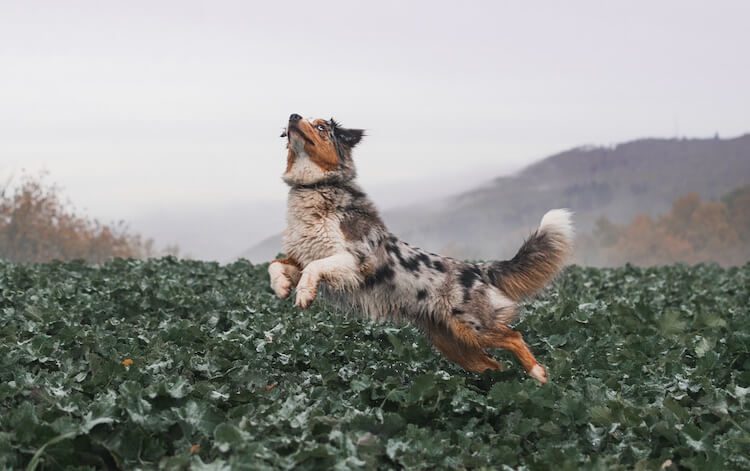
(319, 150)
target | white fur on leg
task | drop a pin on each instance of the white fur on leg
(340, 271)
(539, 373)
(280, 282)
(307, 289)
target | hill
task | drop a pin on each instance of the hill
(618, 182)
(177, 365)
(645, 175)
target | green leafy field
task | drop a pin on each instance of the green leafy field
(646, 365)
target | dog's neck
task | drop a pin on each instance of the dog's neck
(327, 183)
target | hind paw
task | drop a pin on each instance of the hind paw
(539, 373)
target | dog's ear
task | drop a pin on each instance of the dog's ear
(348, 137)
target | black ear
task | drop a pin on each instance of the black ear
(348, 137)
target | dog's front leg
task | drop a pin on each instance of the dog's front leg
(339, 271)
(284, 274)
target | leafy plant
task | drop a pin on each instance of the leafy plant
(180, 364)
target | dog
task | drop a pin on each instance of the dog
(337, 245)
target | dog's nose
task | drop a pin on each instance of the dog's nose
(294, 118)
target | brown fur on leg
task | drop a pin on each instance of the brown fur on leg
(508, 339)
(294, 270)
(460, 345)
(465, 346)
(288, 261)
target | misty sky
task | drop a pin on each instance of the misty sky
(140, 108)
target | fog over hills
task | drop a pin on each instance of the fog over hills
(641, 176)
(221, 230)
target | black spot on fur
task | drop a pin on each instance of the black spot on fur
(438, 265)
(469, 275)
(425, 259)
(393, 249)
(456, 311)
(411, 264)
(381, 275)
(421, 294)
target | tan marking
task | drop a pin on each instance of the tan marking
(460, 346)
(465, 346)
(288, 261)
(508, 339)
(321, 150)
(284, 274)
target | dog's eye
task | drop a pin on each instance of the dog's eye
(320, 127)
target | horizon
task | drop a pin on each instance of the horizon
(387, 196)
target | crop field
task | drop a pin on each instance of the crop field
(191, 365)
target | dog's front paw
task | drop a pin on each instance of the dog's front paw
(305, 297)
(280, 283)
(281, 286)
(306, 291)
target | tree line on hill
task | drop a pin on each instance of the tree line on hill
(693, 231)
(37, 225)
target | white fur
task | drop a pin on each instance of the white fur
(303, 170)
(308, 237)
(498, 300)
(340, 271)
(558, 221)
(539, 373)
(282, 277)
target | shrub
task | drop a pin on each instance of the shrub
(37, 225)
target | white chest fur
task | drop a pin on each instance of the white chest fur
(313, 227)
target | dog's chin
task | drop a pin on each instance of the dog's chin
(296, 142)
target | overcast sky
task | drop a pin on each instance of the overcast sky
(152, 106)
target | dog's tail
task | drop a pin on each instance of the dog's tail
(538, 261)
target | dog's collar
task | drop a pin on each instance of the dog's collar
(328, 183)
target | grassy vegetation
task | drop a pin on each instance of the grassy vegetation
(188, 364)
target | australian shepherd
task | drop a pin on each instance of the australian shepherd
(337, 246)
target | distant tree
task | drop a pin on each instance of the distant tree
(682, 212)
(738, 205)
(36, 225)
(693, 231)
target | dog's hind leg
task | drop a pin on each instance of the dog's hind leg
(506, 338)
(459, 343)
